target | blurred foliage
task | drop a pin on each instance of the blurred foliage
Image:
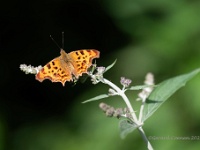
(159, 36)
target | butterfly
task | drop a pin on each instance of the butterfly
(68, 66)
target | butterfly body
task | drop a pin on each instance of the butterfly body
(68, 66)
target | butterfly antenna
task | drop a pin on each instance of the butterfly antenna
(63, 39)
(55, 42)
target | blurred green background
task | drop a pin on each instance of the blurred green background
(158, 36)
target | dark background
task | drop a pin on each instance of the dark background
(158, 36)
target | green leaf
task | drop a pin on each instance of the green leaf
(140, 87)
(164, 90)
(96, 98)
(126, 127)
(110, 66)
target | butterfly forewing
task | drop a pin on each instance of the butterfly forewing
(82, 60)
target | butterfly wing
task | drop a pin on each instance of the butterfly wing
(56, 71)
(82, 60)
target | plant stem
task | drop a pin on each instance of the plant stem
(124, 97)
(132, 112)
(149, 146)
(141, 112)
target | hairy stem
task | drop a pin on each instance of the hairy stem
(136, 121)
(141, 112)
(124, 97)
(149, 146)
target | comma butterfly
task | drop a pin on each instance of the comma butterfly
(68, 65)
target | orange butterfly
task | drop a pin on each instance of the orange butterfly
(68, 65)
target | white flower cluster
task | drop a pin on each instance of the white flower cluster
(98, 76)
(149, 81)
(30, 69)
